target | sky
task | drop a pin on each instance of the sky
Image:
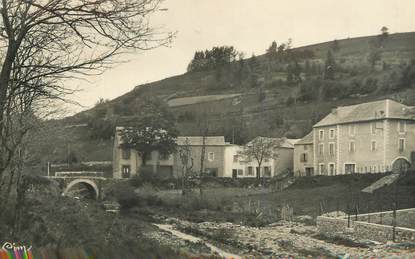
(248, 25)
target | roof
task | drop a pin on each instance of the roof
(193, 140)
(293, 141)
(383, 109)
(308, 139)
(198, 140)
(284, 142)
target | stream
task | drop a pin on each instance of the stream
(193, 239)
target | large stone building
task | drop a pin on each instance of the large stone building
(370, 137)
(221, 159)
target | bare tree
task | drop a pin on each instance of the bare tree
(204, 129)
(44, 42)
(185, 154)
(260, 149)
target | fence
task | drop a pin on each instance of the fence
(395, 225)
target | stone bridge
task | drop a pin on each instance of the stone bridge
(92, 182)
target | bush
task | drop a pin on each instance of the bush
(127, 198)
(222, 235)
(148, 195)
(289, 101)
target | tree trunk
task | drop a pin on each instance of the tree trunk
(143, 159)
(258, 175)
(184, 173)
(4, 85)
(202, 162)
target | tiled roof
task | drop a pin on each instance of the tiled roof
(368, 111)
(308, 139)
(193, 140)
(285, 143)
(198, 140)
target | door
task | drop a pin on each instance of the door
(309, 171)
(331, 169)
(350, 168)
(125, 171)
(400, 166)
(234, 173)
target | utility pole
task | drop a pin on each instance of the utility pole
(233, 134)
(67, 153)
(48, 169)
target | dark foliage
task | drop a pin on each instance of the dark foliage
(215, 58)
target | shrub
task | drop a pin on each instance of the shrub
(222, 235)
(289, 101)
(126, 197)
(147, 194)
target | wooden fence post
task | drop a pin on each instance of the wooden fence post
(355, 212)
(368, 211)
(394, 223)
(348, 215)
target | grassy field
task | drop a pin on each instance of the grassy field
(310, 196)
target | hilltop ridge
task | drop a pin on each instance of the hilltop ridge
(270, 95)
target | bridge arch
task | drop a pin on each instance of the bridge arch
(87, 182)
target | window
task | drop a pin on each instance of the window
(331, 149)
(125, 171)
(321, 134)
(211, 156)
(309, 171)
(331, 169)
(164, 157)
(321, 168)
(235, 158)
(303, 157)
(213, 172)
(349, 168)
(267, 171)
(401, 144)
(373, 127)
(402, 126)
(352, 130)
(332, 135)
(352, 147)
(240, 172)
(321, 149)
(373, 145)
(250, 170)
(125, 154)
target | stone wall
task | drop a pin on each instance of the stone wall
(404, 218)
(332, 225)
(362, 229)
(382, 233)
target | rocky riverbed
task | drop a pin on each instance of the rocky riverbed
(278, 240)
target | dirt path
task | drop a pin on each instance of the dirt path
(193, 239)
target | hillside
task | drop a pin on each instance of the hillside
(279, 95)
